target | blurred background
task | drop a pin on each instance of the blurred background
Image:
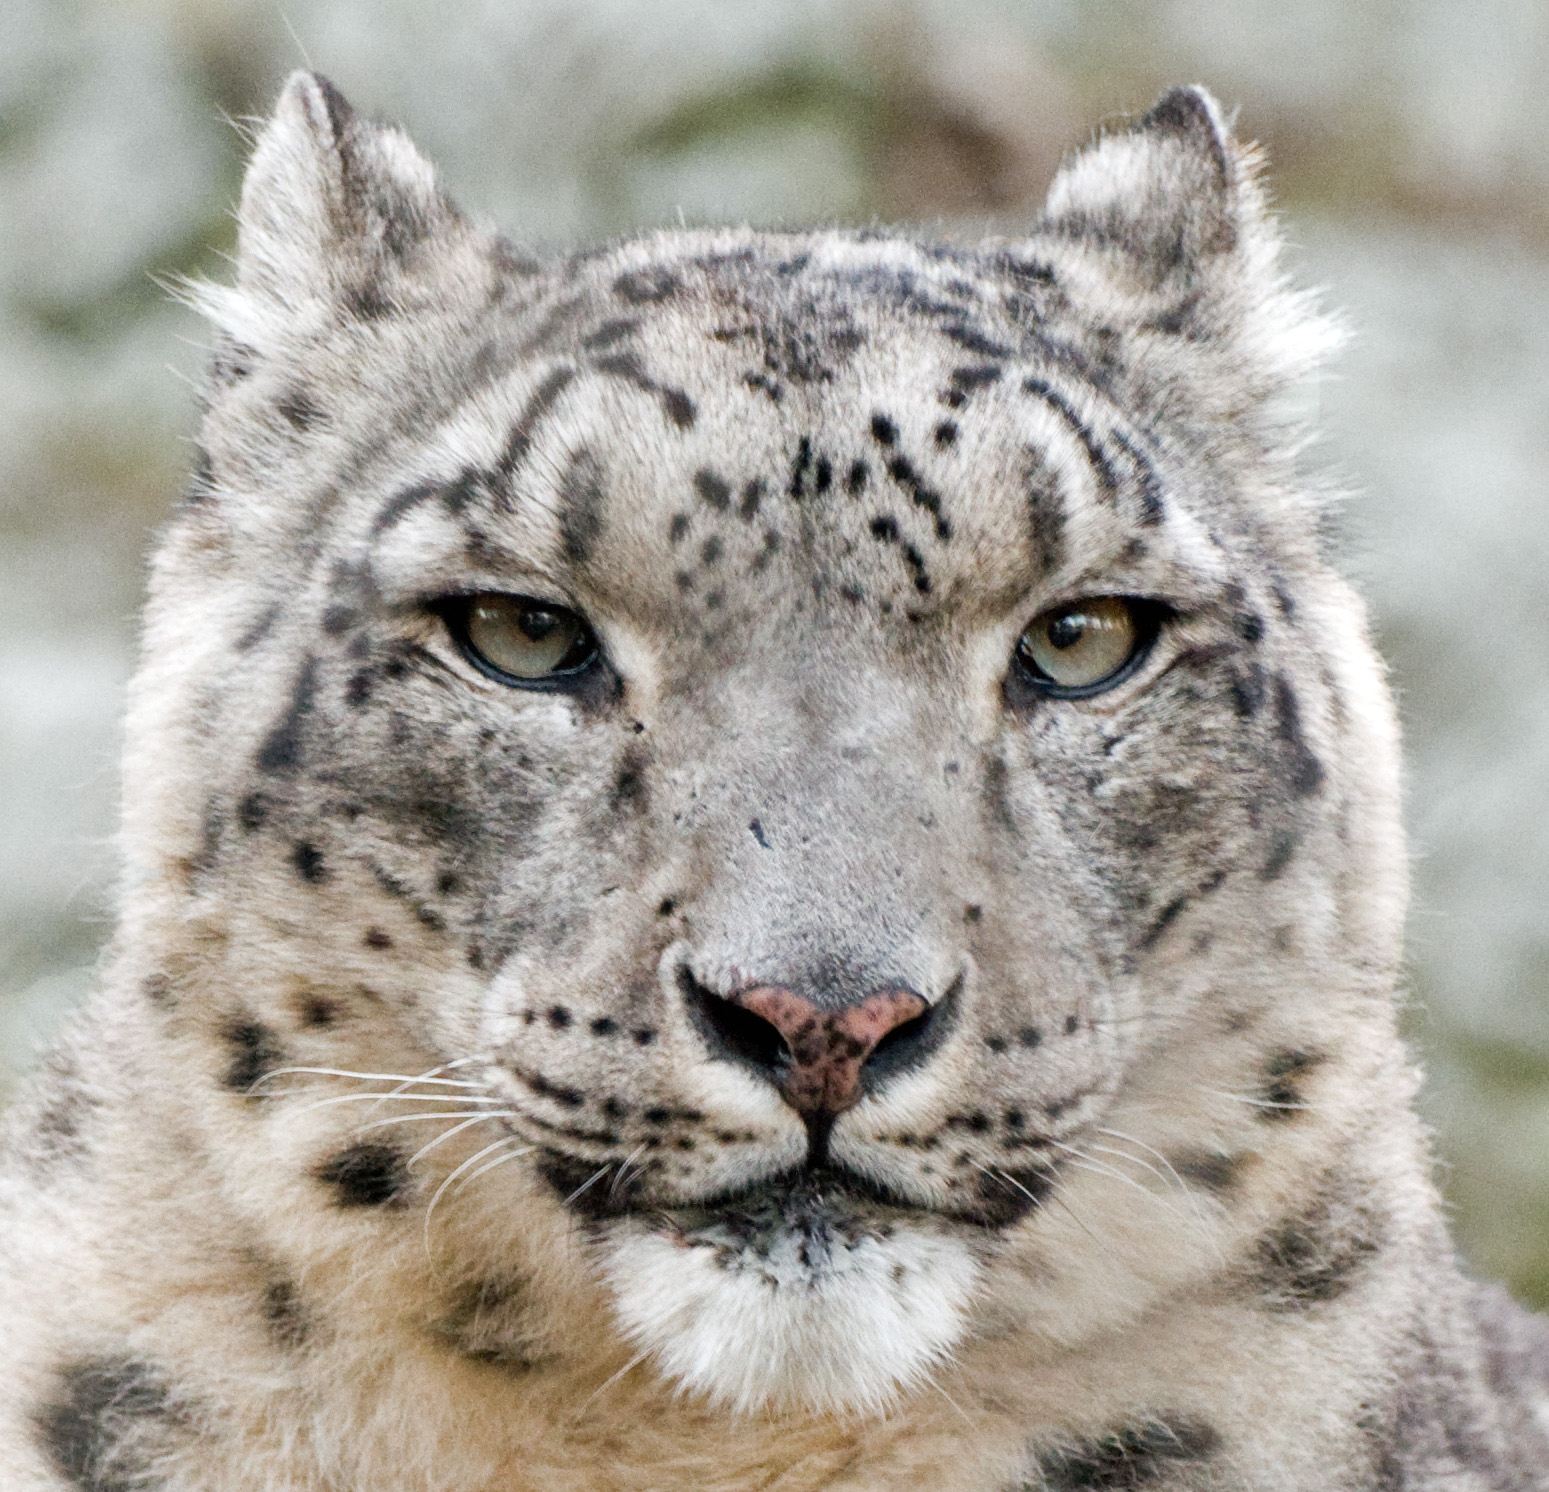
(1409, 141)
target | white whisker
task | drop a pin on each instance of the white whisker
(421, 1118)
(473, 1159)
(588, 1184)
(441, 1139)
(608, 1383)
(500, 1160)
(378, 1077)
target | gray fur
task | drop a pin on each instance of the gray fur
(410, 1141)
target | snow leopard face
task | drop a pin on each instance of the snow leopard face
(800, 736)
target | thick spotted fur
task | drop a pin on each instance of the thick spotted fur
(432, 1126)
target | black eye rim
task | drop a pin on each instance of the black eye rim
(454, 613)
(1149, 618)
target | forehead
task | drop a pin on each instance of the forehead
(696, 425)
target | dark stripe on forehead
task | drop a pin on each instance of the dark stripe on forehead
(1046, 512)
(1102, 468)
(1147, 483)
(519, 442)
(469, 484)
(581, 499)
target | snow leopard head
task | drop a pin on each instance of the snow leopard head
(835, 758)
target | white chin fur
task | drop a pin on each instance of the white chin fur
(778, 1329)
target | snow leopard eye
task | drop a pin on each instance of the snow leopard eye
(520, 641)
(1089, 646)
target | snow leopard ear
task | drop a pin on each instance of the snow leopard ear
(1184, 243)
(337, 213)
(1167, 197)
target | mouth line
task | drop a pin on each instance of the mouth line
(795, 1198)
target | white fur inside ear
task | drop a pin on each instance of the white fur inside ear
(842, 1327)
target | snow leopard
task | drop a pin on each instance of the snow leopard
(752, 860)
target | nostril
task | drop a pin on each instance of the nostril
(733, 1032)
(908, 1044)
(897, 1041)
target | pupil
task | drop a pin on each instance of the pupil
(537, 625)
(1067, 631)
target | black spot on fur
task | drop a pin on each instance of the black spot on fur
(56, 1132)
(885, 528)
(486, 1323)
(764, 384)
(916, 563)
(260, 629)
(946, 434)
(1134, 1456)
(299, 410)
(610, 332)
(255, 1052)
(1317, 1255)
(884, 430)
(713, 490)
(1282, 847)
(365, 1175)
(581, 505)
(678, 528)
(1303, 771)
(800, 465)
(676, 404)
(374, 937)
(1210, 1169)
(964, 381)
(251, 812)
(756, 829)
(645, 287)
(1165, 919)
(908, 478)
(1046, 512)
(995, 792)
(283, 1314)
(309, 863)
(856, 478)
(970, 339)
(752, 496)
(367, 302)
(158, 989)
(1005, 1197)
(280, 752)
(106, 1419)
(317, 1011)
(565, 1097)
(1280, 1097)
(1248, 690)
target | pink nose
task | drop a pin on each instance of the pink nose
(828, 1047)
